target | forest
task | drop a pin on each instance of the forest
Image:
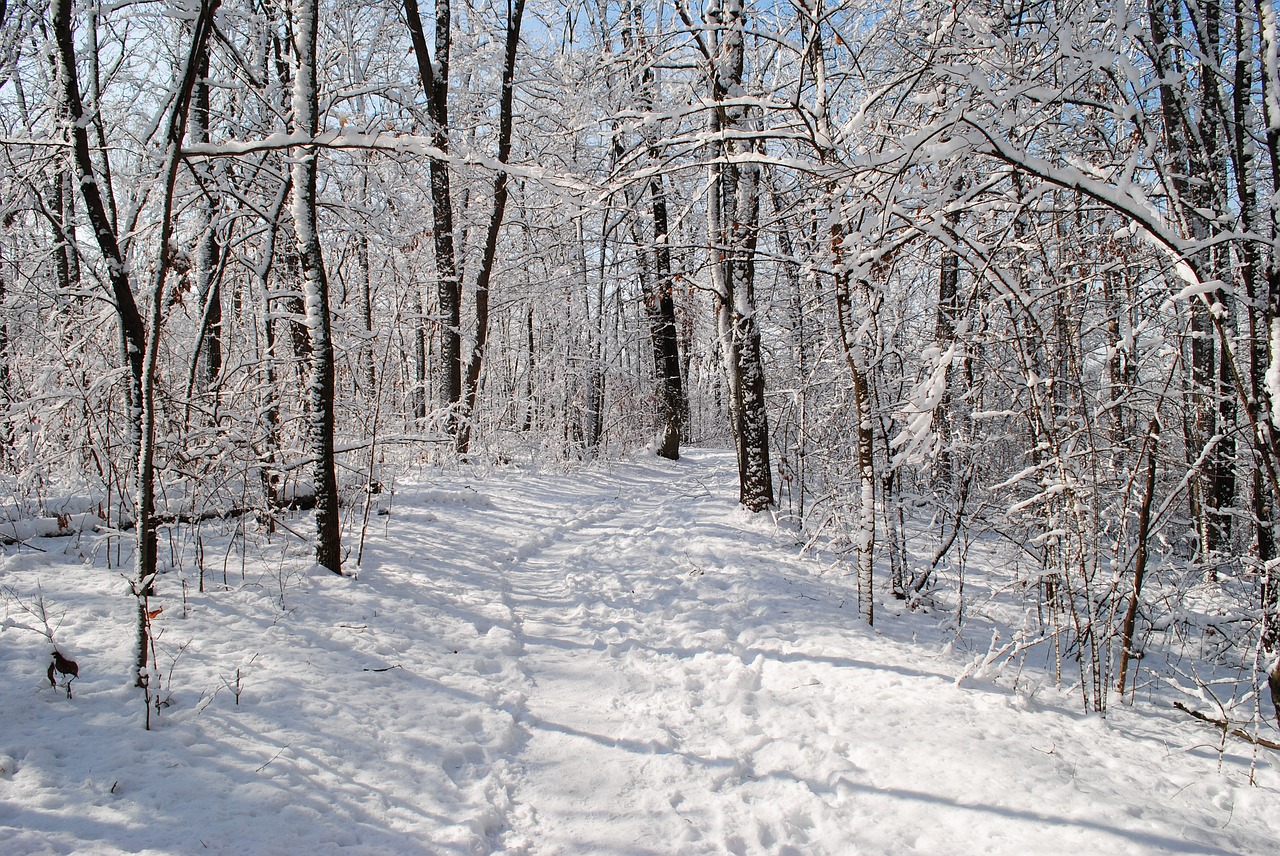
(940, 275)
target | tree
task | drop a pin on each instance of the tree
(733, 213)
(489, 248)
(434, 76)
(140, 339)
(321, 384)
(657, 280)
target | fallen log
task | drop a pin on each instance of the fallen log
(61, 526)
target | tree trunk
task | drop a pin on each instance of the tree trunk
(944, 334)
(315, 285)
(270, 407)
(594, 326)
(654, 254)
(208, 277)
(1139, 557)
(1269, 60)
(733, 218)
(654, 273)
(855, 353)
(367, 374)
(6, 395)
(420, 370)
(800, 346)
(661, 306)
(141, 345)
(488, 259)
(435, 83)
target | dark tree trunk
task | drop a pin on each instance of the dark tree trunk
(530, 360)
(140, 344)
(654, 269)
(1140, 556)
(1251, 272)
(435, 83)
(6, 396)
(595, 333)
(367, 374)
(656, 279)
(489, 252)
(944, 335)
(661, 307)
(1268, 446)
(420, 369)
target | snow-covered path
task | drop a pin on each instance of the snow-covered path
(614, 661)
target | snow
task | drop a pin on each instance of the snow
(613, 660)
(1272, 375)
(396, 143)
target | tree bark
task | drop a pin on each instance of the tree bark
(435, 83)
(733, 219)
(855, 354)
(270, 409)
(141, 345)
(657, 283)
(315, 285)
(488, 258)
(944, 334)
(1139, 557)
(208, 276)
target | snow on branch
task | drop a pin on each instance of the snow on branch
(403, 144)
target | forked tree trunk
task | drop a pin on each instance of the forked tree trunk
(141, 344)
(733, 218)
(653, 252)
(489, 251)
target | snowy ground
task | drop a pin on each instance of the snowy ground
(614, 661)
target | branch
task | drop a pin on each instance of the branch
(391, 143)
(1225, 727)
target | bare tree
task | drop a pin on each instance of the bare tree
(433, 72)
(489, 248)
(140, 338)
(733, 215)
(315, 284)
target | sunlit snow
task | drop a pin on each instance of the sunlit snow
(612, 660)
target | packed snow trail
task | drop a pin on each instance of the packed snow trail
(609, 661)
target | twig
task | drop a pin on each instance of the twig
(1225, 727)
(8, 540)
(273, 757)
